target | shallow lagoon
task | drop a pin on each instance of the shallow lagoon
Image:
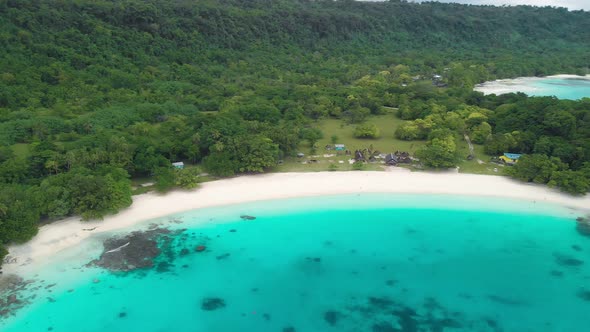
(560, 86)
(366, 262)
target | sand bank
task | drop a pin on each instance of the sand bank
(69, 232)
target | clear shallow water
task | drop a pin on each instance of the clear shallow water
(352, 263)
(562, 88)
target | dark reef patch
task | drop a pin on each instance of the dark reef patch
(565, 260)
(313, 259)
(584, 294)
(442, 324)
(155, 249)
(407, 319)
(576, 247)
(381, 303)
(383, 327)
(163, 267)
(384, 314)
(557, 274)
(583, 226)
(212, 303)
(12, 288)
(332, 317)
(247, 217)
(224, 256)
(289, 329)
(137, 250)
(491, 322)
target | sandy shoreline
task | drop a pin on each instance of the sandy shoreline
(55, 237)
(503, 86)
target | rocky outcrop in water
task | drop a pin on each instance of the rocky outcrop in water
(134, 251)
(10, 298)
(212, 303)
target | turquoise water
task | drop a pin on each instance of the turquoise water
(377, 263)
(562, 88)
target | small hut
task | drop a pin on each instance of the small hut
(178, 165)
(403, 157)
(391, 159)
(339, 147)
(359, 156)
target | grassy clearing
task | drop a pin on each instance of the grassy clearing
(21, 150)
(474, 166)
(387, 143)
(387, 125)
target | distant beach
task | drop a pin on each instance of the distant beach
(537, 86)
(60, 235)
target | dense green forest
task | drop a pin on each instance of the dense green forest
(96, 93)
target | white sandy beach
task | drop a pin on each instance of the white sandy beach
(60, 235)
(521, 84)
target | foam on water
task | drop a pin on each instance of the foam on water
(562, 87)
(371, 262)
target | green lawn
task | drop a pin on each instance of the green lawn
(387, 143)
(474, 166)
(387, 125)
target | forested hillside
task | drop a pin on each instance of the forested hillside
(96, 93)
